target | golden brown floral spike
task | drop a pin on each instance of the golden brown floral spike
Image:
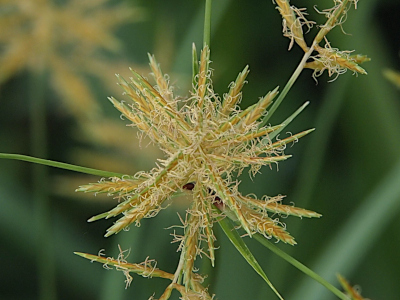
(161, 80)
(292, 24)
(144, 269)
(260, 107)
(274, 205)
(266, 226)
(336, 15)
(115, 186)
(189, 248)
(235, 92)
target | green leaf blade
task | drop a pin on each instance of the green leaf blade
(241, 246)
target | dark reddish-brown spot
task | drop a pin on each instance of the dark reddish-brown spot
(189, 186)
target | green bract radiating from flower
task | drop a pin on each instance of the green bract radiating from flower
(207, 142)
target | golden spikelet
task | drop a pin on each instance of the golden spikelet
(234, 95)
(293, 20)
(259, 109)
(189, 247)
(146, 269)
(274, 205)
(261, 223)
(115, 186)
(336, 16)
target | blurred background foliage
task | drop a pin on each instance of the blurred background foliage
(347, 169)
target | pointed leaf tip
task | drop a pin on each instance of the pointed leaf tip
(98, 217)
(109, 233)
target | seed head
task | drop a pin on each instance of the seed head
(207, 142)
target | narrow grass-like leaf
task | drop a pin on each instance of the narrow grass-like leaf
(358, 233)
(287, 87)
(262, 240)
(241, 246)
(288, 120)
(60, 165)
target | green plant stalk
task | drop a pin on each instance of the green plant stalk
(44, 249)
(287, 87)
(194, 34)
(288, 121)
(207, 24)
(262, 240)
(60, 165)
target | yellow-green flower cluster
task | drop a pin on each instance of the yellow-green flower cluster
(327, 58)
(207, 141)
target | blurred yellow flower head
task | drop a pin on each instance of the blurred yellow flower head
(62, 39)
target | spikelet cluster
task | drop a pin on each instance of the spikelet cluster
(207, 141)
(334, 61)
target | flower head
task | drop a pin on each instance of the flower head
(207, 142)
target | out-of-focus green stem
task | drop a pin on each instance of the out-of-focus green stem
(300, 266)
(241, 246)
(207, 24)
(44, 249)
(288, 86)
(60, 165)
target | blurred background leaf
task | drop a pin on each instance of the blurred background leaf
(343, 170)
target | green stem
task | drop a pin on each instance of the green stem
(207, 24)
(299, 266)
(60, 165)
(288, 86)
(194, 34)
